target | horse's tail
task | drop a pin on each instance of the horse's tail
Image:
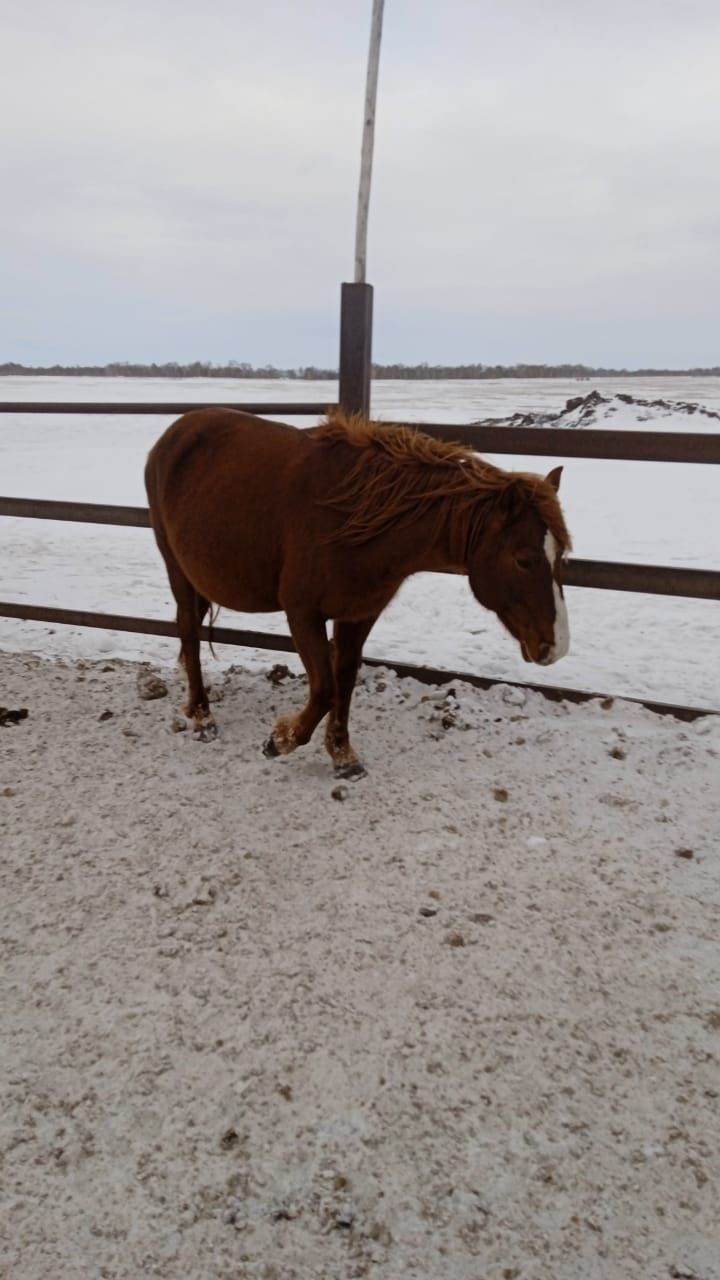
(212, 619)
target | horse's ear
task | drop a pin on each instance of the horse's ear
(553, 478)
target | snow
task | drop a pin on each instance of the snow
(643, 646)
(459, 1018)
(460, 1021)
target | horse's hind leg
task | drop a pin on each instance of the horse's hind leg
(191, 610)
(349, 638)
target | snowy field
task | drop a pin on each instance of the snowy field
(459, 1021)
(620, 643)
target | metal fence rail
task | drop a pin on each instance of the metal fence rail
(553, 442)
(285, 644)
(631, 446)
(590, 442)
(139, 408)
(603, 575)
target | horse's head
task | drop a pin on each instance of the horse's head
(515, 565)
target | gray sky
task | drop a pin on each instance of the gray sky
(179, 181)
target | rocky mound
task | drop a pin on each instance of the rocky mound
(595, 409)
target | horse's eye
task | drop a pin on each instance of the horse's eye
(524, 563)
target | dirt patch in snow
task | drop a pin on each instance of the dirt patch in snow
(460, 1021)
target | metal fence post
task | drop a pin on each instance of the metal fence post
(356, 309)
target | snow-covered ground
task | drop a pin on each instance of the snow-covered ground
(620, 643)
(457, 1020)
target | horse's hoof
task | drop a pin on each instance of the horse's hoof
(353, 770)
(269, 750)
(206, 733)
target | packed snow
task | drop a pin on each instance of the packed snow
(621, 643)
(457, 1020)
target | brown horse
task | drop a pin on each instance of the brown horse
(326, 523)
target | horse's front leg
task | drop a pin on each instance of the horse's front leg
(308, 632)
(349, 639)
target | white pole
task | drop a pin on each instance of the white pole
(367, 142)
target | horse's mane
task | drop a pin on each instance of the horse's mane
(400, 472)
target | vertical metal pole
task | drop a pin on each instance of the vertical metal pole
(357, 299)
(356, 309)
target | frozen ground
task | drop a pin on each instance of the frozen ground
(461, 1022)
(620, 643)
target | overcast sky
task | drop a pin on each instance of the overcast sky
(179, 181)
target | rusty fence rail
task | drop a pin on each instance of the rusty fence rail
(630, 446)
(555, 442)
(140, 408)
(590, 442)
(285, 644)
(604, 575)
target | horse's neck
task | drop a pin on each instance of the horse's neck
(440, 544)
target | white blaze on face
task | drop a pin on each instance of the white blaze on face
(562, 631)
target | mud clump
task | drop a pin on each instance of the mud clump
(278, 673)
(151, 686)
(7, 716)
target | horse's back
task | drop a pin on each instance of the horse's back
(205, 442)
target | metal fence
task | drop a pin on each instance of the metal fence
(354, 396)
(557, 442)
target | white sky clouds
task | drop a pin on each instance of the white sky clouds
(179, 184)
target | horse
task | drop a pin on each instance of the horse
(326, 523)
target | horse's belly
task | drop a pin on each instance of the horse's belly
(246, 583)
(245, 601)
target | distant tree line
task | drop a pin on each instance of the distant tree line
(410, 372)
(435, 371)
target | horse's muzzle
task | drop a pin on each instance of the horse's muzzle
(545, 654)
